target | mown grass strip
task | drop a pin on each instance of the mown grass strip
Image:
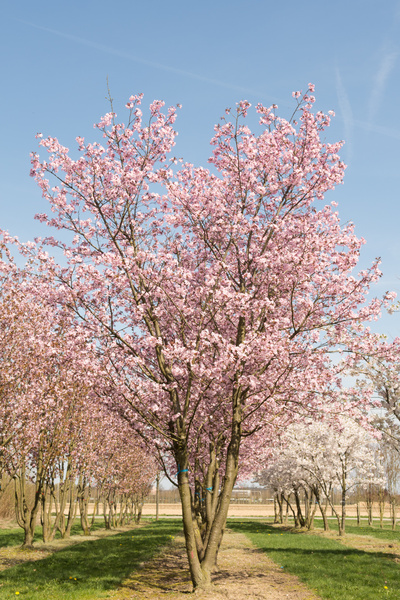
(375, 531)
(334, 571)
(386, 533)
(87, 570)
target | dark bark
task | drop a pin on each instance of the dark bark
(323, 507)
(83, 494)
(73, 505)
(26, 509)
(393, 513)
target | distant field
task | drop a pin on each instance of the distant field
(251, 510)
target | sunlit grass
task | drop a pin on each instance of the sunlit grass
(334, 571)
(87, 570)
(15, 536)
(364, 529)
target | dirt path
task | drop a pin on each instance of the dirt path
(245, 572)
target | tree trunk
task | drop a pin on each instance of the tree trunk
(294, 513)
(342, 527)
(60, 505)
(83, 500)
(339, 517)
(71, 510)
(95, 506)
(393, 510)
(313, 503)
(157, 495)
(300, 520)
(369, 503)
(138, 512)
(106, 515)
(189, 528)
(286, 513)
(381, 507)
(25, 511)
(48, 529)
(202, 558)
(323, 510)
(218, 526)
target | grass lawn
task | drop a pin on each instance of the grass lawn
(334, 571)
(351, 527)
(15, 536)
(86, 570)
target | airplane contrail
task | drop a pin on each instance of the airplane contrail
(387, 64)
(143, 61)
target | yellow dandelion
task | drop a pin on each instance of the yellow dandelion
(17, 593)
(385, 587)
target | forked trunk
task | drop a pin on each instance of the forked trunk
(339, 517)
(299, 519)
(323, 509)
(26, 511)
(370, 506)
(71, 510)
(48, 528)
(311, 514)
(138, 511)
(83, 499)
(278, 508)
(203, 557)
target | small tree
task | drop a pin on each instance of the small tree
(323, 456)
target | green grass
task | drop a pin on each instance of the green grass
(334, 571)
(15, 536)
(385, 533)
(375, 531)
(90, 569)
(87, 570)
(11, 537)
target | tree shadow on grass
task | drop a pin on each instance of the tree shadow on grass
(88, 568)
(11, 537)
(15, 536)
(335, 570)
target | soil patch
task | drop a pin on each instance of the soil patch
(244, 572)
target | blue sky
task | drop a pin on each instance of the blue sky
(56, 58)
